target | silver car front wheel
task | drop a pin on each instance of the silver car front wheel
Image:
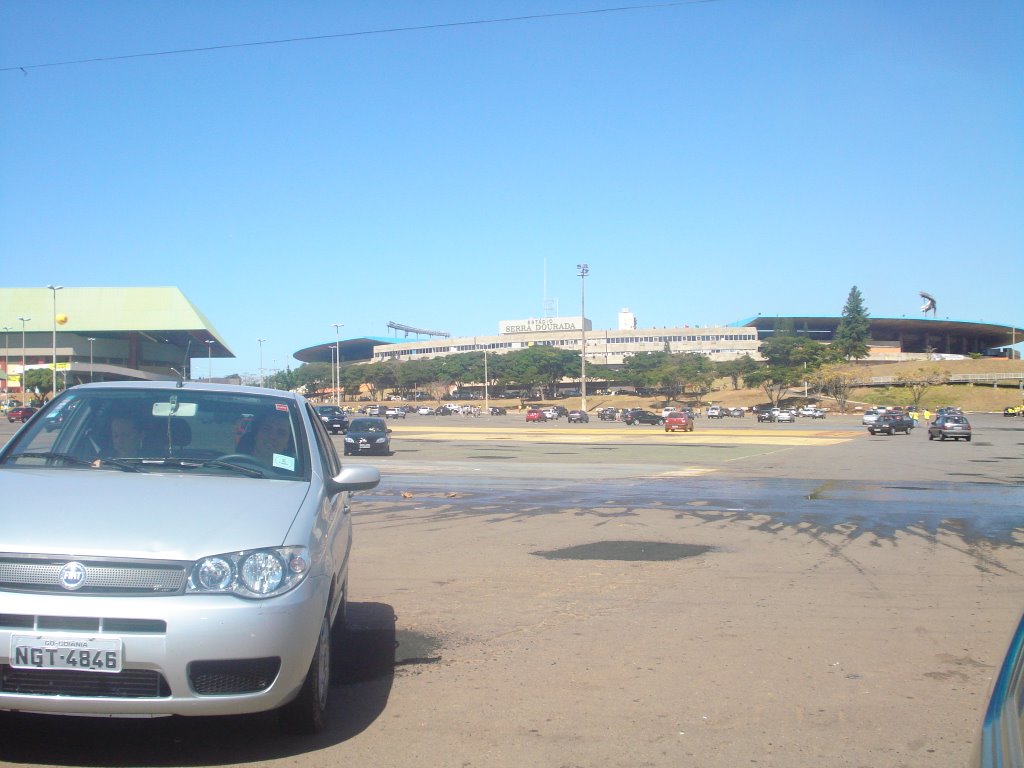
(306, 713)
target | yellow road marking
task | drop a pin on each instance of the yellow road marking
(539, 433)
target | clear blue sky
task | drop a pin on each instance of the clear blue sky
(709, 161)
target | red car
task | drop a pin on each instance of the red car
(677, 421)
(22, 413)
(535, 414)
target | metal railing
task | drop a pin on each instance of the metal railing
(957, 378)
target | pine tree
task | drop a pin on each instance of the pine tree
(854, 330)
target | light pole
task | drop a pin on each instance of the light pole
(91, 376)
(261, 359)
(7, 362)
(209, 360)
(23, 369)
(584, 270)
(333, 371)
(337, 362)
(53, 389)
(487, 396)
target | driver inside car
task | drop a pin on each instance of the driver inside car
(269, 439)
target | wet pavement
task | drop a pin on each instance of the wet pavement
(837, 479)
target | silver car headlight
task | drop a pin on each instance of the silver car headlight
(257, 573)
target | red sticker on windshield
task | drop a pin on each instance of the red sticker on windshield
(281, 406)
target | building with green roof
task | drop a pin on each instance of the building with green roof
(103, 334)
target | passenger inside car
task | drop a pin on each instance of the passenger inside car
(269, 437)
(126, 436)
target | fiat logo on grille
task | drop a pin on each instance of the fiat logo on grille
(72, 576)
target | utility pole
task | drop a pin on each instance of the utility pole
(584, 270)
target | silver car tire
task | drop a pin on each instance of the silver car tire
(306, 713)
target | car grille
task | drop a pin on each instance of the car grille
(225, 677)
(127, 684)
(42, 575)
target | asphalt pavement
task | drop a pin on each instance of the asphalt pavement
(607, 595)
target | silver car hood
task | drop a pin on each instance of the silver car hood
(146, 515)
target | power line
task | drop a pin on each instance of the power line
(391, 30)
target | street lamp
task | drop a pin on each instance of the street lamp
(209, 360)
(23, 369)
(584, 270)
(7, 362)
(261, 359)
(53, 386)
(91, 376)
(337, 362)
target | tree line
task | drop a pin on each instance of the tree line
(790, 358)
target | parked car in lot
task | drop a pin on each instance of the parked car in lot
(212, 576)
(640, 416)
(536, 414)
(578, 417)
(608, 414)
(952, 425)
(890, 423)
(678, 421)
(818, 413)
(396, 412)
(715, 412)
(497, 410)
(376, 410)
(334, 419)
(368, 434)
(737, 413)
(765, 414)
(425, 410)
(21, 413)
(869, 416)
(785, 417)
(551, 413)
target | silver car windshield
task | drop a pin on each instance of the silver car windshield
(180, 430)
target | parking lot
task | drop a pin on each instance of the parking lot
(607, 595)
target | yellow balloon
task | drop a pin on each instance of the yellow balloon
(62, 319)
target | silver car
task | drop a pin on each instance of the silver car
(174, 549)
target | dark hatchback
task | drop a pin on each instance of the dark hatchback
(368, 434)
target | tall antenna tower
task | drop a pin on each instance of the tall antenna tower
(550, 306)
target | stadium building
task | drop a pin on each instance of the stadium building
(103, 334)
(892, 339)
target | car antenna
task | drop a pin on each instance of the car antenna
(184, 362)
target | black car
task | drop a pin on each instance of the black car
(578, 417)
(497, 410)
(369, 434)
(334, 419)
(608, 414)
(765, 415)
(643, 417)
(890, 423)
